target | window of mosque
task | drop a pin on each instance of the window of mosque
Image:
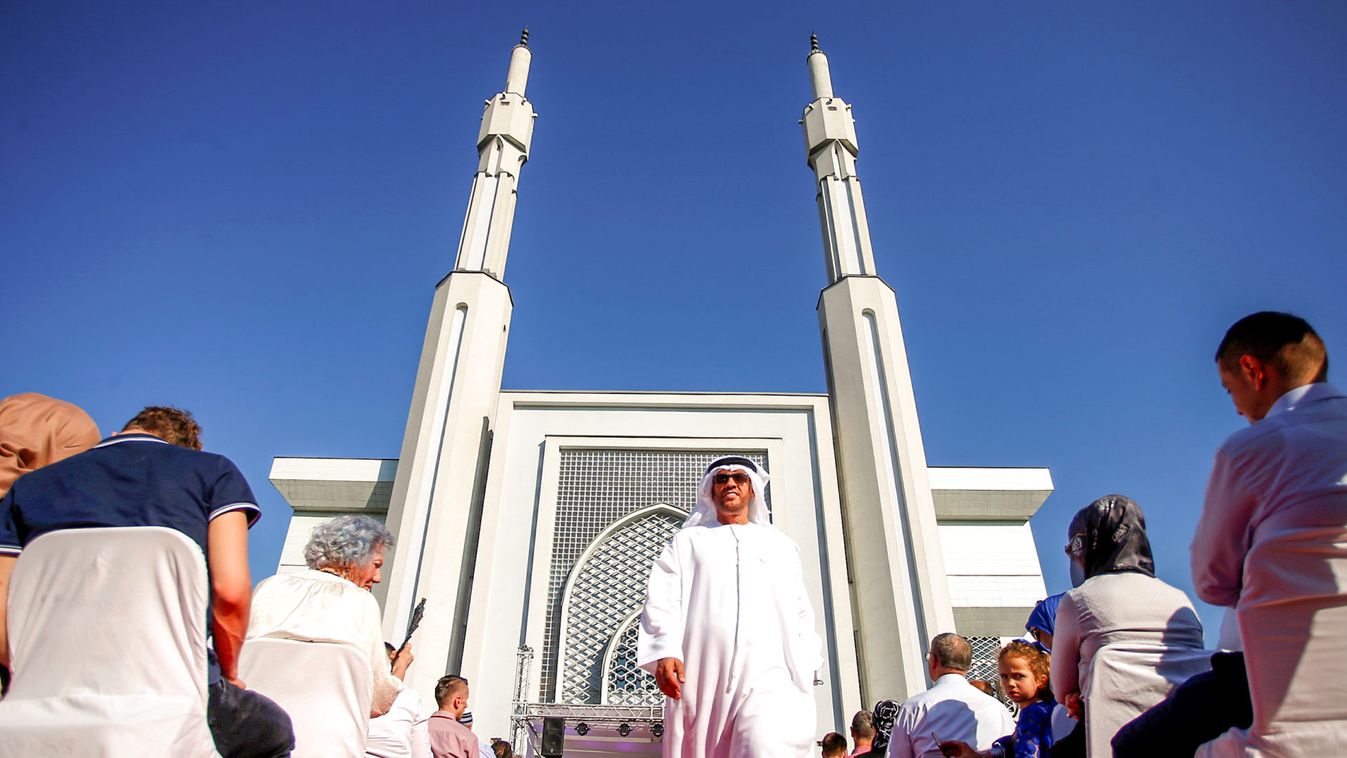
(607, 590)
(985, 652)
(597, 488)
(624, 684)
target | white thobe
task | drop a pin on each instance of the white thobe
(729, 601)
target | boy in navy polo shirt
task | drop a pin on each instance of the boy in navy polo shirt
(153, 473)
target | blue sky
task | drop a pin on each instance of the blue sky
(242, 209)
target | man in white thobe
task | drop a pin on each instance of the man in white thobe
(728, 631)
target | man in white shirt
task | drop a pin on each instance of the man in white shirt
(1272, 538)
(952, 709)
(400, 733)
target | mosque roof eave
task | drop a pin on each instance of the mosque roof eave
(961, 493)
(977, 493)
(335, 484)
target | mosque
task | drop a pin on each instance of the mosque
(528, 520)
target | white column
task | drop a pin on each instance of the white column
(900, 595)
(442, 465)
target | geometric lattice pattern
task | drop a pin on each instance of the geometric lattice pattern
(607, 589)
(986, 650)
(624, 684)
(597, 488)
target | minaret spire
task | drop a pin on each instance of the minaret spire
(442, 467)
(830, 143)
(502, 148)
(887, 504)
(520, 58)
(818, 70)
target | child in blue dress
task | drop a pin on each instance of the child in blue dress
(1024, 679)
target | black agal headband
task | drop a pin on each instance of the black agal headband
(733, 460)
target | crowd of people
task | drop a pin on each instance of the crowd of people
(56, 475)
(1116, 665)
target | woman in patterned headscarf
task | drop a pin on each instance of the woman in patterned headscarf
(885, 712)
(1117, 601)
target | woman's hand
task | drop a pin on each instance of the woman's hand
(403, 661)
(1075, 706)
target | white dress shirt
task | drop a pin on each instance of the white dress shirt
(1285, 472)
(400, 733)
(952, 709)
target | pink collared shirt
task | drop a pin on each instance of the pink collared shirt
(450, 739)
(1283, 472)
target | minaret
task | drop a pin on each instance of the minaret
(900, 595)
(433, 512)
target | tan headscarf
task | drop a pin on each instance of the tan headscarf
(36, 431)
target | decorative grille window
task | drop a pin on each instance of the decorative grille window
(595, 490)
(606, 588)
(623, 683)
(984, 667)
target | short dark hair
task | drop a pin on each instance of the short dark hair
(173, 425)
(447, 687)
(1287, 342)
(863, 725)
(833, 744)
(952, 651)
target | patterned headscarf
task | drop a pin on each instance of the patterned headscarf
(37, 431)
(1109, 535)
(886, 712)
(705, 511)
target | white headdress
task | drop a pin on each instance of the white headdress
(705, 510)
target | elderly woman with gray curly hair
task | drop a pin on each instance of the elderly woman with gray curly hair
(330, 600)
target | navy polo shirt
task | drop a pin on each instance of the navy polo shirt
(126, 480)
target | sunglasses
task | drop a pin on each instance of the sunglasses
(737, 478)
(1076, 546)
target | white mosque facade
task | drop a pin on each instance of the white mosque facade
(528, 520)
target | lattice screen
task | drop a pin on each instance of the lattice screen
(985, 652)
(608, 588)
(595, 489)
(624, 684)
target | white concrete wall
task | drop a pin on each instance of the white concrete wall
(991, 565)
(515, 549)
